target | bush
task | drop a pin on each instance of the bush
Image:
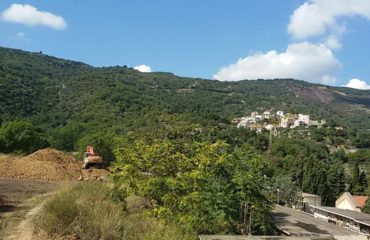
(20, 137)
(141, 227)
(89, 210)
(94, 210)
(66, 137)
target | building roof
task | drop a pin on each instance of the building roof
(356, 216)
(349, 197)
(310, 195)
(239, 237)
(361, 200)
(355, 200)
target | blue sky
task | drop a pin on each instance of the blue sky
(320, 41)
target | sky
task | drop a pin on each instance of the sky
(320, 41)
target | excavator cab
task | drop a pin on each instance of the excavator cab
(91, 159)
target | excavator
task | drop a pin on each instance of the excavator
(91, 159)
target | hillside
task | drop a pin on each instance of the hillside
(170, 140)
(52, 92)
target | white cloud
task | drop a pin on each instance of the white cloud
(31, 16)
(333, 42)
(322, 22)
(305, 61)
(357, 84)
(320, 17)
(143, 68)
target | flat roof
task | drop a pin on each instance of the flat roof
(240, 237)
(356, 216)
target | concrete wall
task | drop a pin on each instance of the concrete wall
(312, 200)
(360, 237)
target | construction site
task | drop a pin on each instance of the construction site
(26, 180)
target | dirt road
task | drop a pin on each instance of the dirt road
(23, 200)
(24, 180)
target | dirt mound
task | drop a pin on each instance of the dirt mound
(46, 164)
(50, 155)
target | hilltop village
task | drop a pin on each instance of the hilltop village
(270, 121)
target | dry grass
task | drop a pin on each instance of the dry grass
(87, 210)
(94, 210)
(141, 227)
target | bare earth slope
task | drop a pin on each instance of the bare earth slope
(46, 164)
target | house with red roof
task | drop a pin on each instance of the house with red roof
(351, 202)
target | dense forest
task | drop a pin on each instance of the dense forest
(53, 92)
(171, 139)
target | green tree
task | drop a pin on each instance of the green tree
(341, 181)
(20, 136)
(366, 208)
(285, 190)
(359, 183)
(335, 183)
(199, 184)
(315, 177)
(66, 137)
(362, 182)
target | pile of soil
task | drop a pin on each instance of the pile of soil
(46, 164)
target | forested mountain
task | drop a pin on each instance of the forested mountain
(52, 92)
(171, 139)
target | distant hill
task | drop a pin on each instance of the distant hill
(52, 92)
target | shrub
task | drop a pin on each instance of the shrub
(142, 227)
(66, 137)
(88, 210)
(21, 137)
(94, 210)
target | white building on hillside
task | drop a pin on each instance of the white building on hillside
(245, 121)
(258, 118)
(269, 127)
(280, 114)
(254, 114)
(266, 115)
(305, 119)
(286, 122)
(296, 123)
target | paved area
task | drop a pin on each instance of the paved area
(298, 223)
(224, 237)
(300, 226)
